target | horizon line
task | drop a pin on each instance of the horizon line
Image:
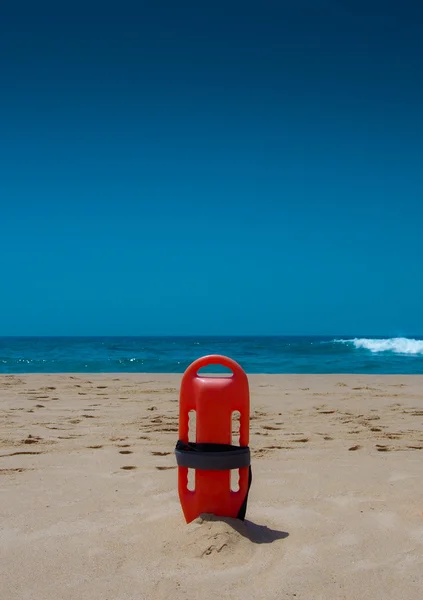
(219, 335)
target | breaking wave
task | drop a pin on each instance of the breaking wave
(395, 345)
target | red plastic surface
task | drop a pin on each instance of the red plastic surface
(214, 399)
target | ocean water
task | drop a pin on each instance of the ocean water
(346, 354)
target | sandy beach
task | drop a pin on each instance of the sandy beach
(89, 507)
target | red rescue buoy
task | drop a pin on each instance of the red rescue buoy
(213, 455)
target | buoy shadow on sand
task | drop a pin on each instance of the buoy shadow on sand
(257, 534)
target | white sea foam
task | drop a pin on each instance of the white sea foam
(396, 345)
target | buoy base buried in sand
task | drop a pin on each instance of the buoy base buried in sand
(212, 455)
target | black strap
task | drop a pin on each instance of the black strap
(243, 507)
(212, 457)
(215, 457)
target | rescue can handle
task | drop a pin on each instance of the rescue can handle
(214, 359)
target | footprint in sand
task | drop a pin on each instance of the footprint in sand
(32, 439)
(94, 447)
(381, 448)
(12, 471)
(128, 468)
(161, 453)
(125, 452)
(165, 468)
(366, 387)
(18, 454)
(261, 452)
(357, 447)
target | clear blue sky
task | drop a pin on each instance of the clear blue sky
(212, 168)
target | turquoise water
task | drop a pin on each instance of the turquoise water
(173, 354)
